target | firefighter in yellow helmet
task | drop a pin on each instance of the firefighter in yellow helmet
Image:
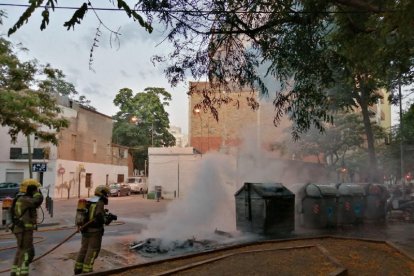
(24, 217)
(93, 230)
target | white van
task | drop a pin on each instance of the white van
(138, 184)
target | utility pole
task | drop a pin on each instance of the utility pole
(402, 136)
(152, 134)
(29, 156)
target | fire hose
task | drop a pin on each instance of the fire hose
(53, 248)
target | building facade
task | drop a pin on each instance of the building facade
(181, 139)
(84, 157)
(240, 123)
(173, 169)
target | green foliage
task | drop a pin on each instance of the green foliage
(55, 83)
(390, 155)
(2, 15)
(130, 12)
(24, 109)
(24, 18)
(142, 121)
(31, 112)
(340, 144)
(408, 123)
(77, 17)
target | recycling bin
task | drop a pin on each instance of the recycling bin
(375, 202)
(158, 190)
(351, 203)
(265, 209)
(317, 205)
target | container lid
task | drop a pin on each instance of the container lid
(267, 190)
(320, 190)
(350, 189)
(375, 189)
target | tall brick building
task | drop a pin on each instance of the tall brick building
(238, 120)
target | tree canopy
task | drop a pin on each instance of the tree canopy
(401, 140)
(142, 121)
(56, 83)
(341, 144)
(24, 108)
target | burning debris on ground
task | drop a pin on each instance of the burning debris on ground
(153, 247)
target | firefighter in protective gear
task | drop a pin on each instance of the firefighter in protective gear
(24, 217)
(93, 231)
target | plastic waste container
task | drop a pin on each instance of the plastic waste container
(158, 190)
(375, 202)
(151, 195)
(317, 205)
(351, 203)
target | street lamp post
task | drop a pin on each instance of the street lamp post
(197, 111)
(402, 136)
(152, 134)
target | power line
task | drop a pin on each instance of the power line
(204, 11)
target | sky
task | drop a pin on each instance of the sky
(127, 64)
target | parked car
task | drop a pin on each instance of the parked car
(119, 189)
(138, 184)
(8, 189)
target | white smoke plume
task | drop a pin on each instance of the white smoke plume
(209, 202)
(207, 206)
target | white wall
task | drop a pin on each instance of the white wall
(173, 169)
(19, 165)
(60, 182)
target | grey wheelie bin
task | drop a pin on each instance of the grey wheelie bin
(351, 203)
(317, 205)
(375, 201)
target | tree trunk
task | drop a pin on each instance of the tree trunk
(373, 165)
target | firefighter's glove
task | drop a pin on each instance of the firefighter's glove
(109, 217)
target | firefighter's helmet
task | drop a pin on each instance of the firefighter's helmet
(28, 182)
(102, 190)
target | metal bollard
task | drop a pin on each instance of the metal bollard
(49, 205)
(6, 209)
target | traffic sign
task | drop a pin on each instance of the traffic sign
(61, 170)
(39, 167)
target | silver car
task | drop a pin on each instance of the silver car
(119, 189)
(138, 184)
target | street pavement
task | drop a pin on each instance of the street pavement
(132, 213)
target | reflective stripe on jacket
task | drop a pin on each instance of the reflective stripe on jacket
(96, 214)
(25, 211)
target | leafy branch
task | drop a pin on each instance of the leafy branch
(24, 18)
